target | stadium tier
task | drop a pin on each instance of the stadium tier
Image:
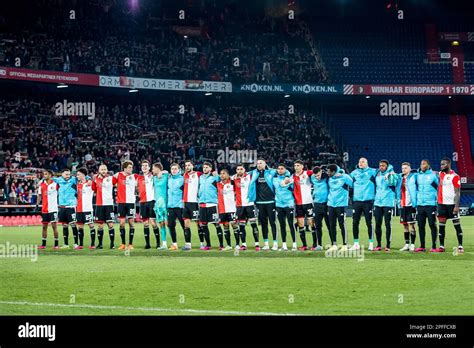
(376, 137)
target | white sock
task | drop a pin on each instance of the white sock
(294, 244)
(175, 244)
(284, 245)
(164, 244)
(266, 243)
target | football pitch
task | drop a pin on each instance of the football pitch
(152, 282)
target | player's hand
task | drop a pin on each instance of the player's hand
(160, 174)
(456, 209)
(287, 181)
(214, 173)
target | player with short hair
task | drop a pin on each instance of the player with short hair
(48, 199)
(363, 200)
(160, 185)
(126, 182)
(67, 200)
(227, 209)
(449, 196)
(386, 184)
(303, 202)
(146, 194)
(207, 198)
(424, 194)
(338, 200)
(190, 200)
(103, 186)
(319, 179)
(407, 212)
(262, 192)
(84, 209)
(285, 205)
(175, 205)
(246, 211)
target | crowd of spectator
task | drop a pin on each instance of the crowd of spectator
(36, 138)
(110, 40)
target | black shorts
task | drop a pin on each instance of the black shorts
(104, 213)
(246, 213)
(146, 210)
(47, 218)
(407, 215)
(86, 217)
(126, 210)
(191, 211)
(320, 209)
(227, 217)
(446, 211)
(208, 215)
(66, 215)
(175, 213)
(304, 210)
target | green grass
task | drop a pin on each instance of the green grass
(151, 282)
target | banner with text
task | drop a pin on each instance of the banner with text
(49, 76)
(409, 89)
(289, 88)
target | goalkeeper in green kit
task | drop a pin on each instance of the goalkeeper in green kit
(160, 186)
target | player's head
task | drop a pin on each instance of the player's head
(363, 163)
(157, 168)
(47, 174)
(318, 172)
(206, 167)
(127, 167)
(281, 169)
(81, 174)
(446, 165)
(261, 164)
(188, 166)
(406, 168)
(103, 169)
(145, 166)
(224, 174)
(240, 170)
(424, 165)
(66, 173)
(174, 168)
(383, 165)
(332, 169)
(299, 166)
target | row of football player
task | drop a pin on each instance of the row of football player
(225, 201)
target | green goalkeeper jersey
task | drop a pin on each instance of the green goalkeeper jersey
(161, 191)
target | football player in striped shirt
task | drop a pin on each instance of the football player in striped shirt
(190, 200)
(160, 185)
(48, 199)
(227, 209)
(303, 202)
(103, 186)
(449, 196)
(147, 203)
(407, 212)
(84, 209)
(126, 183)
(245, 209)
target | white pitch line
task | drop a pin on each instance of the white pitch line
(150, 309)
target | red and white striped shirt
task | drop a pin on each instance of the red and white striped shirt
(191, 187)
(126, 187)
(104, 188)
(405, 200)
(85, 194)
(145, 188)
(49, 196)
(226, 197)
(241, 190)
(447, 183)
(302, 187)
